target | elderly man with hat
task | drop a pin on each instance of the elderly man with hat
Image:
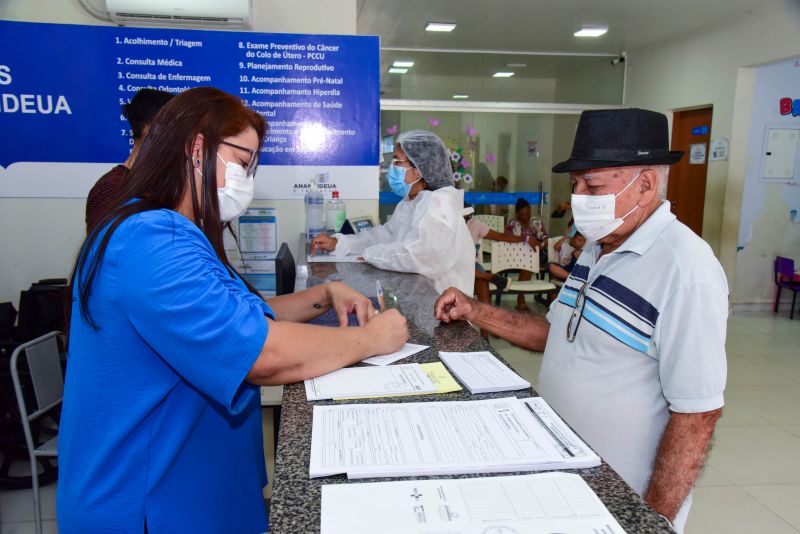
(634, 346)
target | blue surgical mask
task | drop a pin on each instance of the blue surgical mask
(397, 181)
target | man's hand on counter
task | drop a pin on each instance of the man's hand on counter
(453, 305)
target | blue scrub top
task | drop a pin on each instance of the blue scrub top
(158, 423)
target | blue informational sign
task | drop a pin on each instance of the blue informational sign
(61, 87)
(480, 198)
(700, 130)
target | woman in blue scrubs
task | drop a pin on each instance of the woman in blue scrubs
(161, 424)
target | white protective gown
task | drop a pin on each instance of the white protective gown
(426, 235)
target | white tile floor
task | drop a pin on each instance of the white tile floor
(752, 481)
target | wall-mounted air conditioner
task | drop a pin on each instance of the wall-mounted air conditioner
(213, 13)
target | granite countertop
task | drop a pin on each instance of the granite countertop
(296, 498)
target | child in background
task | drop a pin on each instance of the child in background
(569, 250)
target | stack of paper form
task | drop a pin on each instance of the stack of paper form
(353, 382)
(481, 372)
(405, 351)
(542, 503)
(443, 438)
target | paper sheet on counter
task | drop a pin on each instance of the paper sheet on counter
(355, 382)
(409, 349)
(535, 504)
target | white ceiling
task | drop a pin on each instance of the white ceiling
(542, 25)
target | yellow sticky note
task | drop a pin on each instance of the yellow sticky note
(441, 377)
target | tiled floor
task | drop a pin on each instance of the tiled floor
(752, 481)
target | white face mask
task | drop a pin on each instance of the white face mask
(595, 214)
(237, 193)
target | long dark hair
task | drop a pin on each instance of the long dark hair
(163, 170)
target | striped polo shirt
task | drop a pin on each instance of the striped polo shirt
(649, 337)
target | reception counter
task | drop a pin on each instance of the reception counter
(295, 505)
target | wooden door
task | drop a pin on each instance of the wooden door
(691, 132)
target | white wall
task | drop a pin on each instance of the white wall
(700, 69)
(40, 237)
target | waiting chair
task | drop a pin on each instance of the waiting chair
(785, 278)
(496, 223)
(44, 368)
(518, 256)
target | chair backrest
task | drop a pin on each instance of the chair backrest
(784, 267)
(44, 366)
(494, 222)
(507, 256)
(42, 309)
(285, 271)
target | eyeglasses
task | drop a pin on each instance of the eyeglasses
(395, 161)
(252, 166)
(577, 313)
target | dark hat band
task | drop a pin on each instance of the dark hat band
(611, 154)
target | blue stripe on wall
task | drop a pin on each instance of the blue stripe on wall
(478, 198)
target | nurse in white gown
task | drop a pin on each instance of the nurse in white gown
(427, 233)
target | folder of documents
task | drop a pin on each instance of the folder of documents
(481, 372)
(536, 504)
(442, 438)
(354, 382)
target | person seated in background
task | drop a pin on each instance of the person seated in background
(532, 229)
(569, 250)
(168, 345)
(139, 112)
(426, 233)
(479, 230)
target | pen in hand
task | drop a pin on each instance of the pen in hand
(379, 292)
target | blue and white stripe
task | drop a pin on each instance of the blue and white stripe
(613, 308)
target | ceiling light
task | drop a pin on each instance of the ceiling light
(591, 32)
(403, 64)
(440, 27)
(517, 65)
(461, 97)
(502, 74)
(397, 71)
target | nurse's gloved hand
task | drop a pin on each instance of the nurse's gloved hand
(388, 329)
(322, 242)
(346, 300)
(453, 305)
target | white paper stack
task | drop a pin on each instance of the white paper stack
(534, 504)
(443, 438)
(481, 372)
(352, 382)
(405, 351)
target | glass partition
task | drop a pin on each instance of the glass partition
(496, 157)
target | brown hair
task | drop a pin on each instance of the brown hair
(163, 170)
